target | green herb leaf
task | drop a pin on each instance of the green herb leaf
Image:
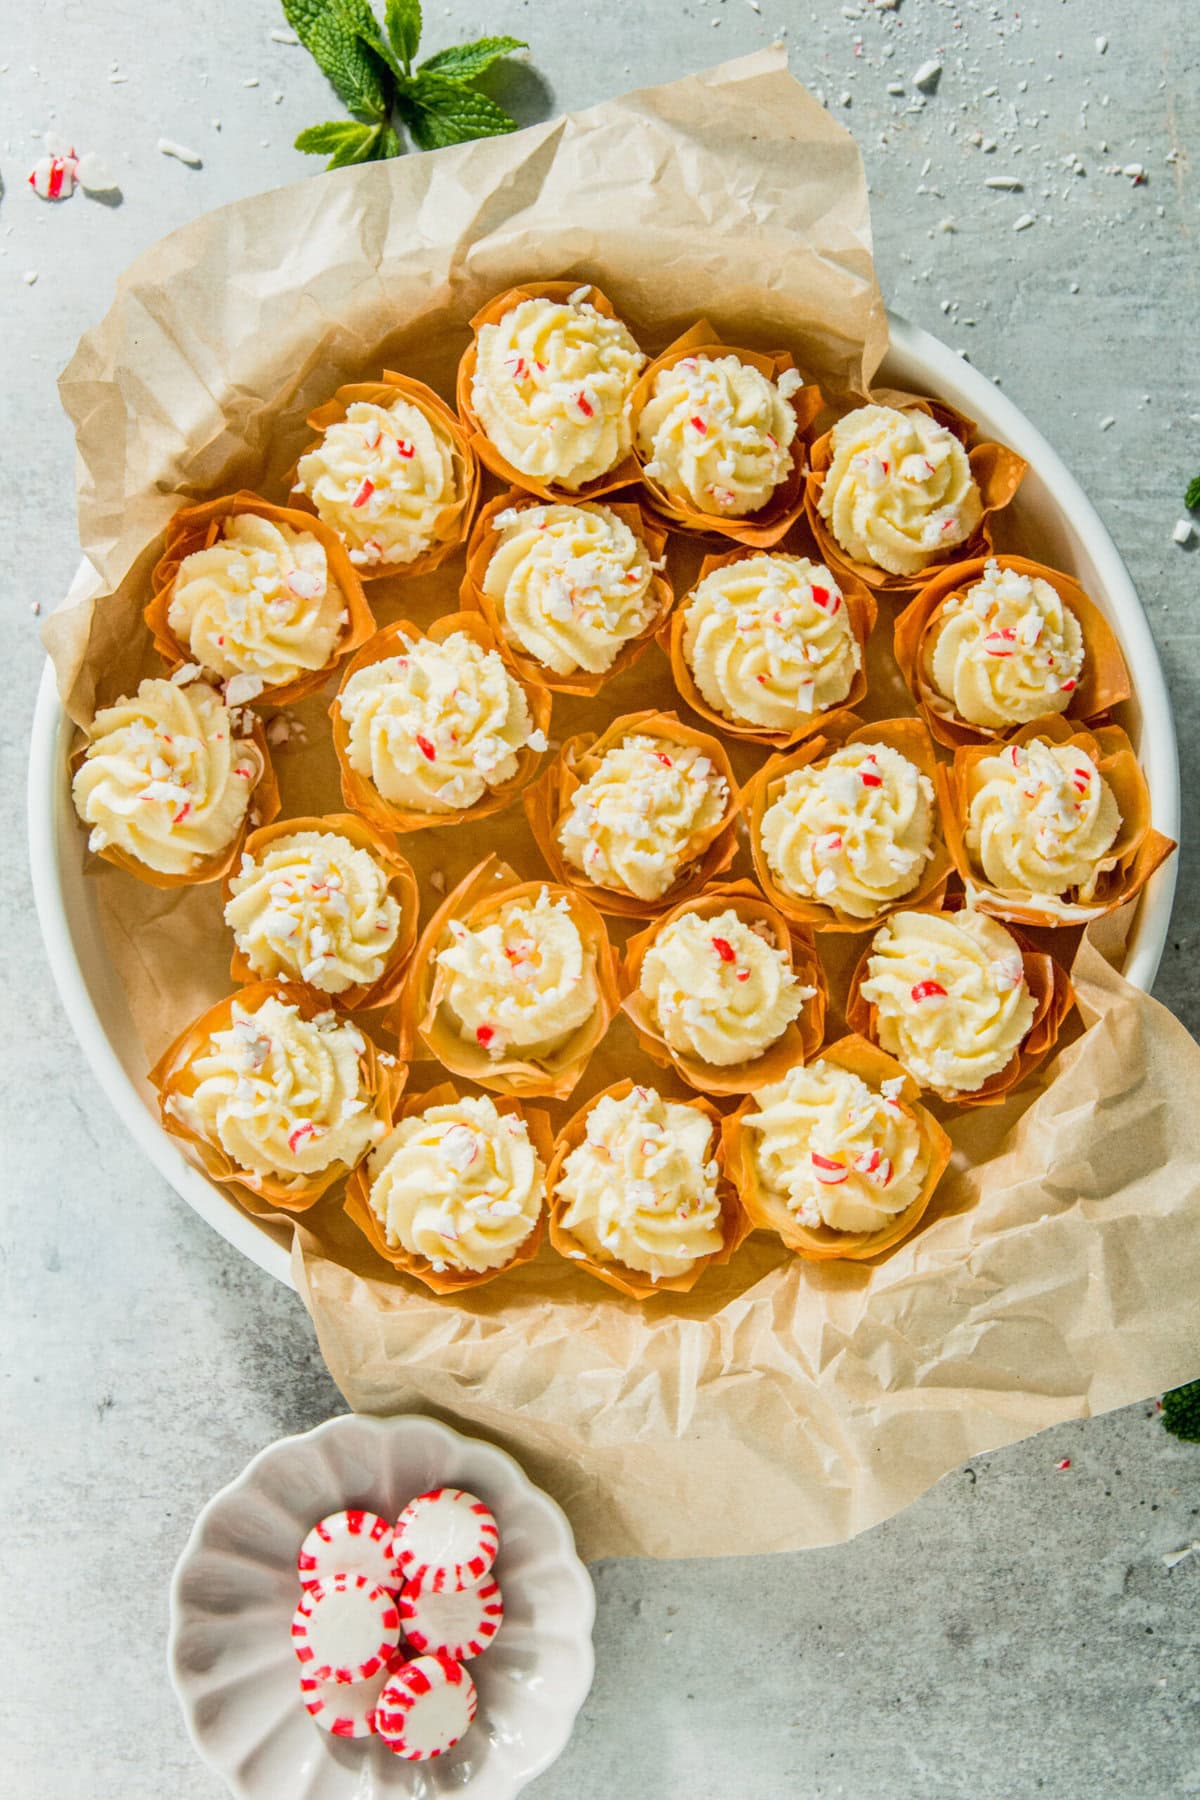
(1192, 498)
(389, 144)
(403, 21)
(323, 140)
(331, 36)
(463, 62)
(448, 113)
(302, 15)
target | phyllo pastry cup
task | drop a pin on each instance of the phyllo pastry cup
(1120, 855)
(711, 795)
(526, 1189)
(587, 417)
(843, 595)
(1050, 993)
(654, 601)
(773, 383)
(853, 867)
(996, 664)
(783, 984)
(465, 1010)
(714, 1217)
(168, 772)
(444, 478)
(200, 528)
(527, 730)
(309, 909)
(995, 471)
(199, 1074)
(921, 1151)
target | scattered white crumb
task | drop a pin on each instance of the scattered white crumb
(1184, 531)
(35, 607)
(1107, 423)
(1006, 184)
(928, 76)
(250, 81)
(1024, 222)
(181, 153)
(29, 277)
(283, 37)
(1173, 1558)
(1101, 45)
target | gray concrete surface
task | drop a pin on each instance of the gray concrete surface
(1015, 1632)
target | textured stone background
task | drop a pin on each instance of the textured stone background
(1016, 1631)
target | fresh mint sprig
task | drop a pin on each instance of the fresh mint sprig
(374, 72)
(1192, 498)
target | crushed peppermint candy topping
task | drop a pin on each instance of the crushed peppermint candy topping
(927, 990)
(724, 949)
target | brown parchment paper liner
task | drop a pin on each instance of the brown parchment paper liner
(198, 528)
(997, 470)
(173, 1074)
(360, 792)
(357, 1203)
(905, 735)
(632, 1282)
(418, 1016)
(1138, 848)
(1053, 998)
(820, 1243)
(454, 520)
(798, 1043)
(402, 885)
(622, 474)
(860, 605)
(473, 595)
(1104, 680)
(759, 529)
(549, 796)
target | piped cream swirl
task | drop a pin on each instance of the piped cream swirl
(718, 433)
(899, 491)
(719, 989)
(1040, 821)
(311, 906)
(520, 981)
(1005, 652)
(637, 819)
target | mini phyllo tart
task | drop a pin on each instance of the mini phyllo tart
(513, 984)
(573, 592)
(169, 779)
(431, 727)
(638, 1196)
(718, 435)
(263, 597)
(546, 389)
(846, 828)
(965, 1005)
(724, 991)
(455, 1194)
(988, 645)
(1052, 828)
(894, 491)
(641, 816)
(838, 1156)
(393, 473)
(328, 902)
(277, 1094)
(766, 646)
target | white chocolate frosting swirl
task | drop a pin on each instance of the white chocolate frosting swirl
(950, 995)
(635, 821)
(572, 584)
(835, 1151)
(520, 981)
(280, 1094)
(552, 387)
(854, 831)
(641, 1189)
(259, 602)
(459, 1184)
(769, 641)
(899, 491)
(437, 726)
(384, 478)
(720, 989)
(1005, 652)
(1040, 820)
(718, 433)
(164, 778)
(311, 906)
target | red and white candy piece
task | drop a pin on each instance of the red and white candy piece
(425, 1708)
(353, 1542)
(447, 1538)
(348, 1711)
(345, 1629)
(458, 1625)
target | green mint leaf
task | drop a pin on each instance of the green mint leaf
(365, 150)
(332, 40)
(359, 16)
(388, 145)
(403, 21)
(322, 140)
(449, 113)
(1192, 498)
(463, 62)
(302, 15)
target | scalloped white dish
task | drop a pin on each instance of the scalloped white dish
(235, 1589)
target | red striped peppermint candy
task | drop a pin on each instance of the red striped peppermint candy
(348, 1711)
(350, 1543)
(425, 1708)
(345, 1629)
(447, 1539)
(459, 1625)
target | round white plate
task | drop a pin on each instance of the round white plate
(230, 1655)
(1060, 526)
